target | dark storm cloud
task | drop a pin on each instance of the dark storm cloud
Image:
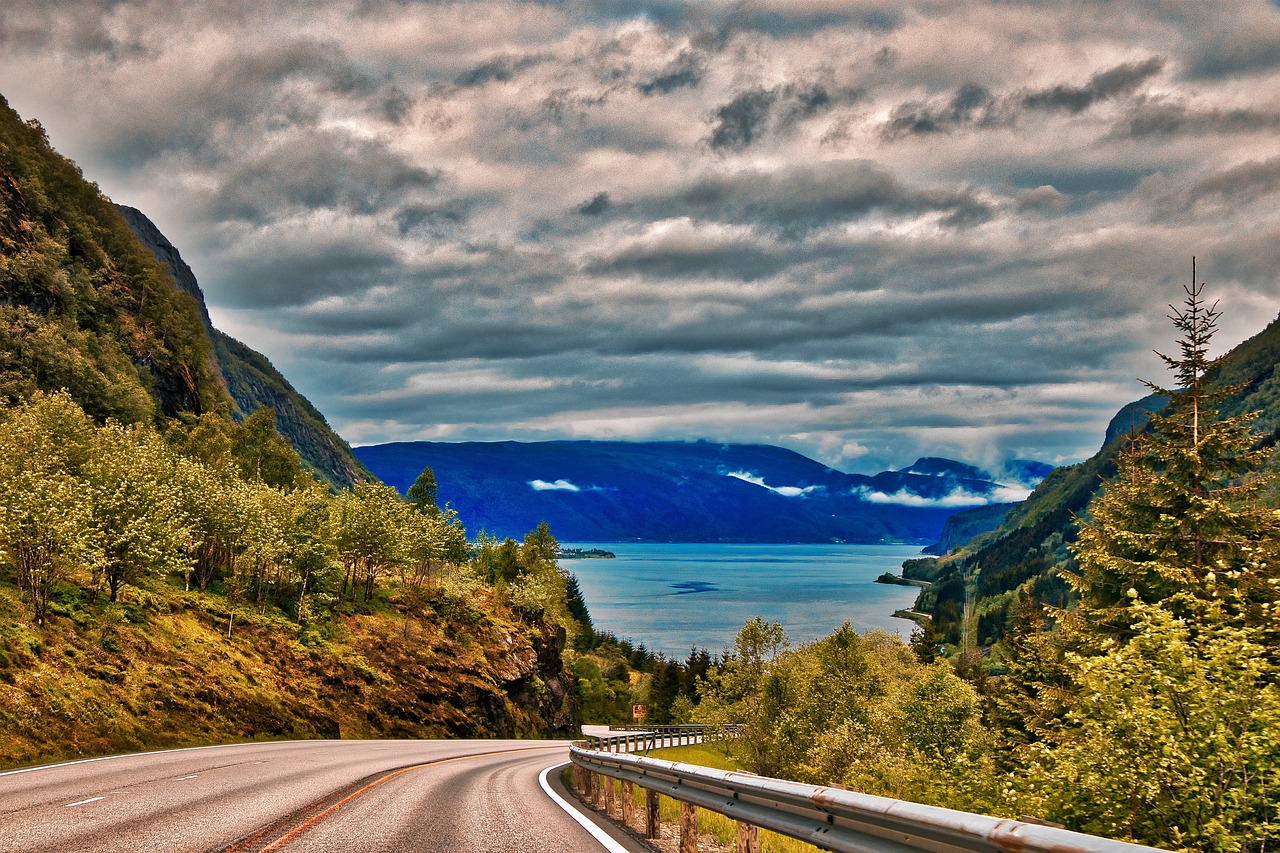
(310, 268)
(322, 169)
(1241, 184)
(1103, 86)
(1162, 117)
(796, 199)
(245, 95)
(692, 260)
(598, 204)
(684, 72)
(973, 105)
(751, 114)
(501, 69)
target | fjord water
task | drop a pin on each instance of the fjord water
(673, 597)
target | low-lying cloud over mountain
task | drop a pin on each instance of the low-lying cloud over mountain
(869, 231)
(685, 491)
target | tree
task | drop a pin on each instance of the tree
(1184, 512)
(424, 494)
(46, 530)
(367, 524)
(264, 454)
(129, 484)
(1158, 720)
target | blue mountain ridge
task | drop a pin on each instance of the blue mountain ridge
(698, 491)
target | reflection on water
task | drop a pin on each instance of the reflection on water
(687, 587)
(672, 597)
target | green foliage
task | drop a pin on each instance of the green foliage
(83, 305)
(424, 493)
(859, 711)
(1149, 712)
(1170, 738)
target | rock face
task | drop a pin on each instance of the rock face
(250, 377)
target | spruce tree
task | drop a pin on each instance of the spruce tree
(1183, 516)
(1153, 712)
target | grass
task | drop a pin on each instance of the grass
(157, 670)
(723, 830)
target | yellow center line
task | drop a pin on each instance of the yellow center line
(316, 818)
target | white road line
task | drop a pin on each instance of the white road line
(84, 802)
(185, 778)
(596, 832)
(135, 755)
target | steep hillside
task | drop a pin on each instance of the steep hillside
(160, 671)
(250, 377)
(682, 491)
(83, 305)
(1022, 557)
(168, 576)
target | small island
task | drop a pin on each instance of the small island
(585, 554)
(890, 577)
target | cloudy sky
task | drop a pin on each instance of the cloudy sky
(861, 231)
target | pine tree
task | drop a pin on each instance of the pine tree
(1153, 712)
(1183, 515)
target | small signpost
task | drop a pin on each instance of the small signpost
(638, 711)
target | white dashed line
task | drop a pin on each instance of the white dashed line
(185, 778)
(83, 802)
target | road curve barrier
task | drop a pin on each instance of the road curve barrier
(829, 818)
(643, 738)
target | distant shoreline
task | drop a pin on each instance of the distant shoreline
(586, 554)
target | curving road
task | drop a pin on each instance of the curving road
(382, 796)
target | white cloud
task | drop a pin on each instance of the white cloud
(957, 498)
(1010, 494)
(557, 486)
(785, 491)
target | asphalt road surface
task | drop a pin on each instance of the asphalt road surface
(386, 796)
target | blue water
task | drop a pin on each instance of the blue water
(673, 597)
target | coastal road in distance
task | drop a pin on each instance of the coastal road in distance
(388, 796)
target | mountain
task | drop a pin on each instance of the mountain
(682, 491)
(1022, 558)
(962, 527)
(83, 305)
(119, 323)
(250, 377)
(88, 303)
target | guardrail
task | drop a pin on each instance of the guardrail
(636, 738)
(829, 818)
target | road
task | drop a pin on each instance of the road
(385, 796)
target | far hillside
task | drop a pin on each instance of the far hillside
(691, 491)
(1021, 563)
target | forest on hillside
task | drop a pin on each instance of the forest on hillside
(1146, 707)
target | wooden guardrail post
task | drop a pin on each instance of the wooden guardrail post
(610, 793)
(748, 838)
(650, 813)
(628, 803)
(688, 828)
(597, 789)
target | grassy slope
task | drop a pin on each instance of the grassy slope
(159, 671)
